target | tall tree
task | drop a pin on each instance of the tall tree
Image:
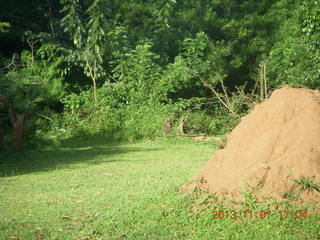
(88, 37)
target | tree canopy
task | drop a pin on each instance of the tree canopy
(120, 67)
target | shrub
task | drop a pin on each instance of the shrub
(111, 117)
(144, 121)
(82, 117)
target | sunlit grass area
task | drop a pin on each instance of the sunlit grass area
(102, 189)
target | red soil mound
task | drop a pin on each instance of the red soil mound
(278, 142)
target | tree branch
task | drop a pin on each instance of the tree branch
(219, 98)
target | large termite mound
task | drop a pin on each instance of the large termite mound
(270, 149)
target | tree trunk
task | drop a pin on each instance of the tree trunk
(17, 121)
(18, 132)
(94, 90)
(181, 128)
(167, 126)
(1, 136)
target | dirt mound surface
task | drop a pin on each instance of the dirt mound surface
(271, 150)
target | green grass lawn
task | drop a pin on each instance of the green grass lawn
(100, 189)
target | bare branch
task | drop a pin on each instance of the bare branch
(219, 98)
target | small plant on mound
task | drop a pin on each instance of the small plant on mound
(305, 183)
(291, 196)
(250, 200)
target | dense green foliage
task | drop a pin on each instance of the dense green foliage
(121, 67)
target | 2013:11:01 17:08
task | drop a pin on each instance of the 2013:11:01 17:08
(262, 214)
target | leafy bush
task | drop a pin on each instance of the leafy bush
(82, 117)
(31, 86)
(110, 117)
(144, 121)
(295, 57)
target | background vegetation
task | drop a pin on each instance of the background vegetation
(70, 69)
(119, 68)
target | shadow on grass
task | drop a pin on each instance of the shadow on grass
(74, 151)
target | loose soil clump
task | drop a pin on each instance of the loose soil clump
(273, 152)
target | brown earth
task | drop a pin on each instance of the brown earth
(278, 142)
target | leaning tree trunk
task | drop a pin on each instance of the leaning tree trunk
(17, 121)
